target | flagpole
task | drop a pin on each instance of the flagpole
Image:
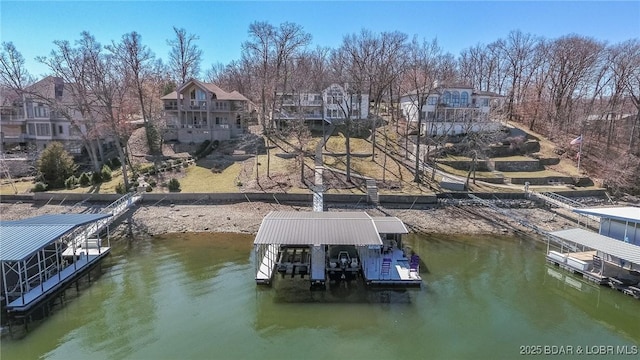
(580, 153)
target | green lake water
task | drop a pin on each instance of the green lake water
(193, 296)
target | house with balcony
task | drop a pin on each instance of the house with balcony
(43, 113)
(450, 109)
(199, 111)
(331, 106)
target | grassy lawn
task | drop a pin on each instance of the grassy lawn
(21, 187)
(480, 174)
(198, 179)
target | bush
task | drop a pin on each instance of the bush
(174, 185)
(56, 165)
(153, 183)
(71, 182)
(84, 180)
(149, 188)
(106, 173)
(120, 188)
(96, 178)
(39, 187)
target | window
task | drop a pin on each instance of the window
(238, 121)
(60, 130)
(484, 102)
(446, 98)
(464, 99)
(31, 129)
(58, 90)
(43, 130)
(432, 100)
(455, 101)
(40, 111)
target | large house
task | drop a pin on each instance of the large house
(450, 109)
(331, 105)
(199, 111)
(43, 113)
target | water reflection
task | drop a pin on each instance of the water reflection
(194, 296)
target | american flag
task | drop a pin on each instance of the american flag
(577, 140)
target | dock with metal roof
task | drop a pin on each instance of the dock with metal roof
(31, 261)
(598, 258)
(333, 245)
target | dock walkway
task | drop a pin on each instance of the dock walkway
(58, 281)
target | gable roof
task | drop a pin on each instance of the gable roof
(318, 228)
(208, 87)
(21, 238)
(626, 213)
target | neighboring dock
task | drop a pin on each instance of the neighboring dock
(610, 257)
(43, 255)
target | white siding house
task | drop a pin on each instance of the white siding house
(29, 120)
(450, 110)
(331, 105)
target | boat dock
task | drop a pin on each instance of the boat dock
(597, 258)
(334, 247)
(43, 255)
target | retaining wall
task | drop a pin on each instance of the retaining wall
(151, 198)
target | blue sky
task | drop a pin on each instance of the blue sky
(222, 25)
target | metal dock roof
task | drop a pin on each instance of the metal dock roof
(390, 225)
(617, 248)
(21, 238)
(626, 213)
(317, 228)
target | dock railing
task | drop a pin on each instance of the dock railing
(116, 208)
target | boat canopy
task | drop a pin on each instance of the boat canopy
(318, 228)
(620, 249)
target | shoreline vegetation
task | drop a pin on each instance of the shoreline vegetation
(246, 217)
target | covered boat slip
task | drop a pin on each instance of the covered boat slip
(316, 244)
(31, 258)
(599, 258)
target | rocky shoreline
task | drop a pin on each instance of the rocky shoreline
(246, 217)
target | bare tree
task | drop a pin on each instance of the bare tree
(259, 52)
(423, 72)
(71, 65)
(184, 56)
(13, 73)
(624, 59)
(572, 61)
(136, 60)
(518, 50)
(387, 66)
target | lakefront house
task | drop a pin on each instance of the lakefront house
(331, 105)
(42, 113)
(199, 111)
(452, 109)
